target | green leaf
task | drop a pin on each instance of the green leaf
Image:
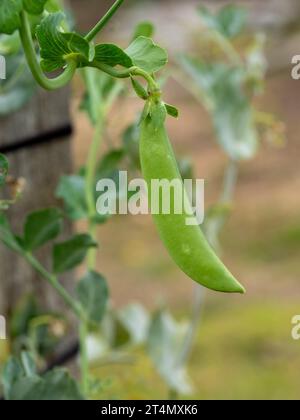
(7, 237)
(139, 89)
(11, 372)
(69, 254)
(71, 189)
(56, 385)
(56, 46)
(9, 15)
(145, 29)
(34, 7)
(112, 55)
(3, 169)
(147, 55)
(109, 163)
(136, 319)
(230, 108)
(172, 110)
(229, 21)
(116, 334)
(26, 389)
(16, 369)
(92, 292)
(41, 227)
(165, 343)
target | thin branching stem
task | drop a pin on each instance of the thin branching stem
(53, 281)
(104, 21)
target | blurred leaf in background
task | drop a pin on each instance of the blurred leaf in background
(165, 343)
(229, 21)
(226, 84)
(41, 227)
(92, 292)
(71, 253)
(231, 109)
(22, 382)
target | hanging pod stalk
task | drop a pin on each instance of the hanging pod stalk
(186, 244)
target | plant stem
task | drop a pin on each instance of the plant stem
(91, 257)
(52, 280)
(78, 311)
(89, 185)
(153, 86)
(215, 226)
(99, 115)
(123, 74)
(103, 21)
(230, 181)
(29, 49)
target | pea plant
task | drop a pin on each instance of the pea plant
(37, 38)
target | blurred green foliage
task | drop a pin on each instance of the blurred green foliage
(244, 352)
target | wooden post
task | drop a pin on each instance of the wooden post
(36, 140)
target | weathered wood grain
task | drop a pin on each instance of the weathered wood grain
(47, 111)
(41, 166)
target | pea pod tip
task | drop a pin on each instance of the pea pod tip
(241, 289)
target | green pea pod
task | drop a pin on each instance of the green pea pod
(186, 244)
